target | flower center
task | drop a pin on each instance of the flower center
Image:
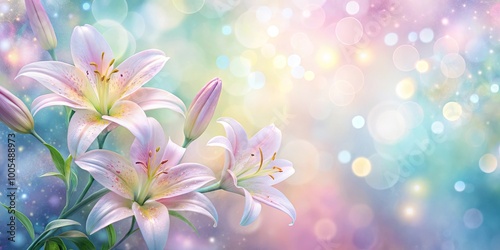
(260, 170)
(152, 171)
(103, 77)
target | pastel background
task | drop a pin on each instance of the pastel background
(389, 112)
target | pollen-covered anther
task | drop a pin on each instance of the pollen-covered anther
(272, 177)
(274, 156)
(150, 153)
(157, 149)
(278, 168)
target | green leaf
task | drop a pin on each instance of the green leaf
(23, 219)
(60, 223)
(67, 168)
(110, 230)
(55, 244)
(182, 218)
(78, 238)
(74, 181)
(56, 158)
(58, 175)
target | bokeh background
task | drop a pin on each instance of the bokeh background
(388, 108)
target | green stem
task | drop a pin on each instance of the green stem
(86, 189)
(87, 200)
(100, 140)
(213, 187)
(68, 189)
(45, 235)
(38, 137)
(52, 54)
(130, 232)
(186, 143)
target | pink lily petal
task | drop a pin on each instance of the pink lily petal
(272, 197)
(63, 79)
(140, 152)
(252, 210)
(84, 127)
(52, 100)
(191, 202)
(132, 117)
(235, 134)
(152, 98)
(179, 180)
(229, 161)
(252, 207)
(173, 153)
(136, 71)
(109, 209)
(112, 170)
(88, 46)
(268, 140)
(154, 222)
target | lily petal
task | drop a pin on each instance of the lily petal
(235, 134)
(154, 221)
(173, 153)
(63, 79)
(111, 170)
(52, 100)
(268, 140)
(192, 202)
(132, 117)
(135, 71)
(140, 152)
(223, 142)
(109, 209)
(272, 197)
(180, 179)
(89, 46)
(152, 98)
(84, 127)
(252, 210)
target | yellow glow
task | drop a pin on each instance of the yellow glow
(452, 111)
(279, 62)
(409, 211)
(405, 89)
(361, 167)
(250, 55)
(326, 58)
(309, 75)
(422, 66)
(364, 56)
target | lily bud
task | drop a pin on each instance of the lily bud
(202, 109)
(40, 24)
(14, 113)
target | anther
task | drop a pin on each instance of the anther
(93, 64)
(102, 56)
(274, 156)
(157, 149)
(163, 162)
(278, 168)
(150, 153)
(112, 61)
(272, 177)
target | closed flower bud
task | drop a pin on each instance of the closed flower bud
(14, 113)
(202, 109)
(40, 24)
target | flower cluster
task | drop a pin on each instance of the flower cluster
(151, 183)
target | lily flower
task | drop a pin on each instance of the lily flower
(148, 186)
(202, 110)
(251, 168)
(14, 113)
(102, 95)
(40, 24)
